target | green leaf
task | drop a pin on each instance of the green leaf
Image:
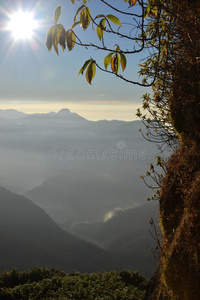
(114, 20)
(99, 33)
(71, 39)
(107, 60)
(57, 14)
(91, 71)
(123, 61)
(81, 71)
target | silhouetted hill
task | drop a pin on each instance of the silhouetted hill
(130, 237)
(64, 117)
(11, 114)
(117, 222)
(125, 232)
(85, 194)
(30, 238)
(127, 221)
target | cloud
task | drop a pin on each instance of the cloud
(112, 214)
(107, 102)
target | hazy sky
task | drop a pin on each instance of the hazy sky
(35, 80)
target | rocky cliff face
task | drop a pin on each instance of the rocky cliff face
(180, 222)
(179, 274)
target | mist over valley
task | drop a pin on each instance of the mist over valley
(85, 175)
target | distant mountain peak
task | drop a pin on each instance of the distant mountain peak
(63, 111)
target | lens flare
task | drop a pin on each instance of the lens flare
(22, 25)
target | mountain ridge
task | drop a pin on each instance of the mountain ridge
(30, 238)
(13, 114)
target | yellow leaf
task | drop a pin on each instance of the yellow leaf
(107, 60)
(115, 63)
(91, 71)
(123, 61)
(62, 39)
(49, 41)
(85, 18)
(71, 39)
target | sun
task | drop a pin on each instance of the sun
(22, 25)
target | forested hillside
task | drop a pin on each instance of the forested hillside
(46, 284)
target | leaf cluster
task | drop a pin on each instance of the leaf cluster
(102, 24)
(57, 35)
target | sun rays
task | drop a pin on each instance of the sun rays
(22, 25)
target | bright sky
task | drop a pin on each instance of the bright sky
(35, 80)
